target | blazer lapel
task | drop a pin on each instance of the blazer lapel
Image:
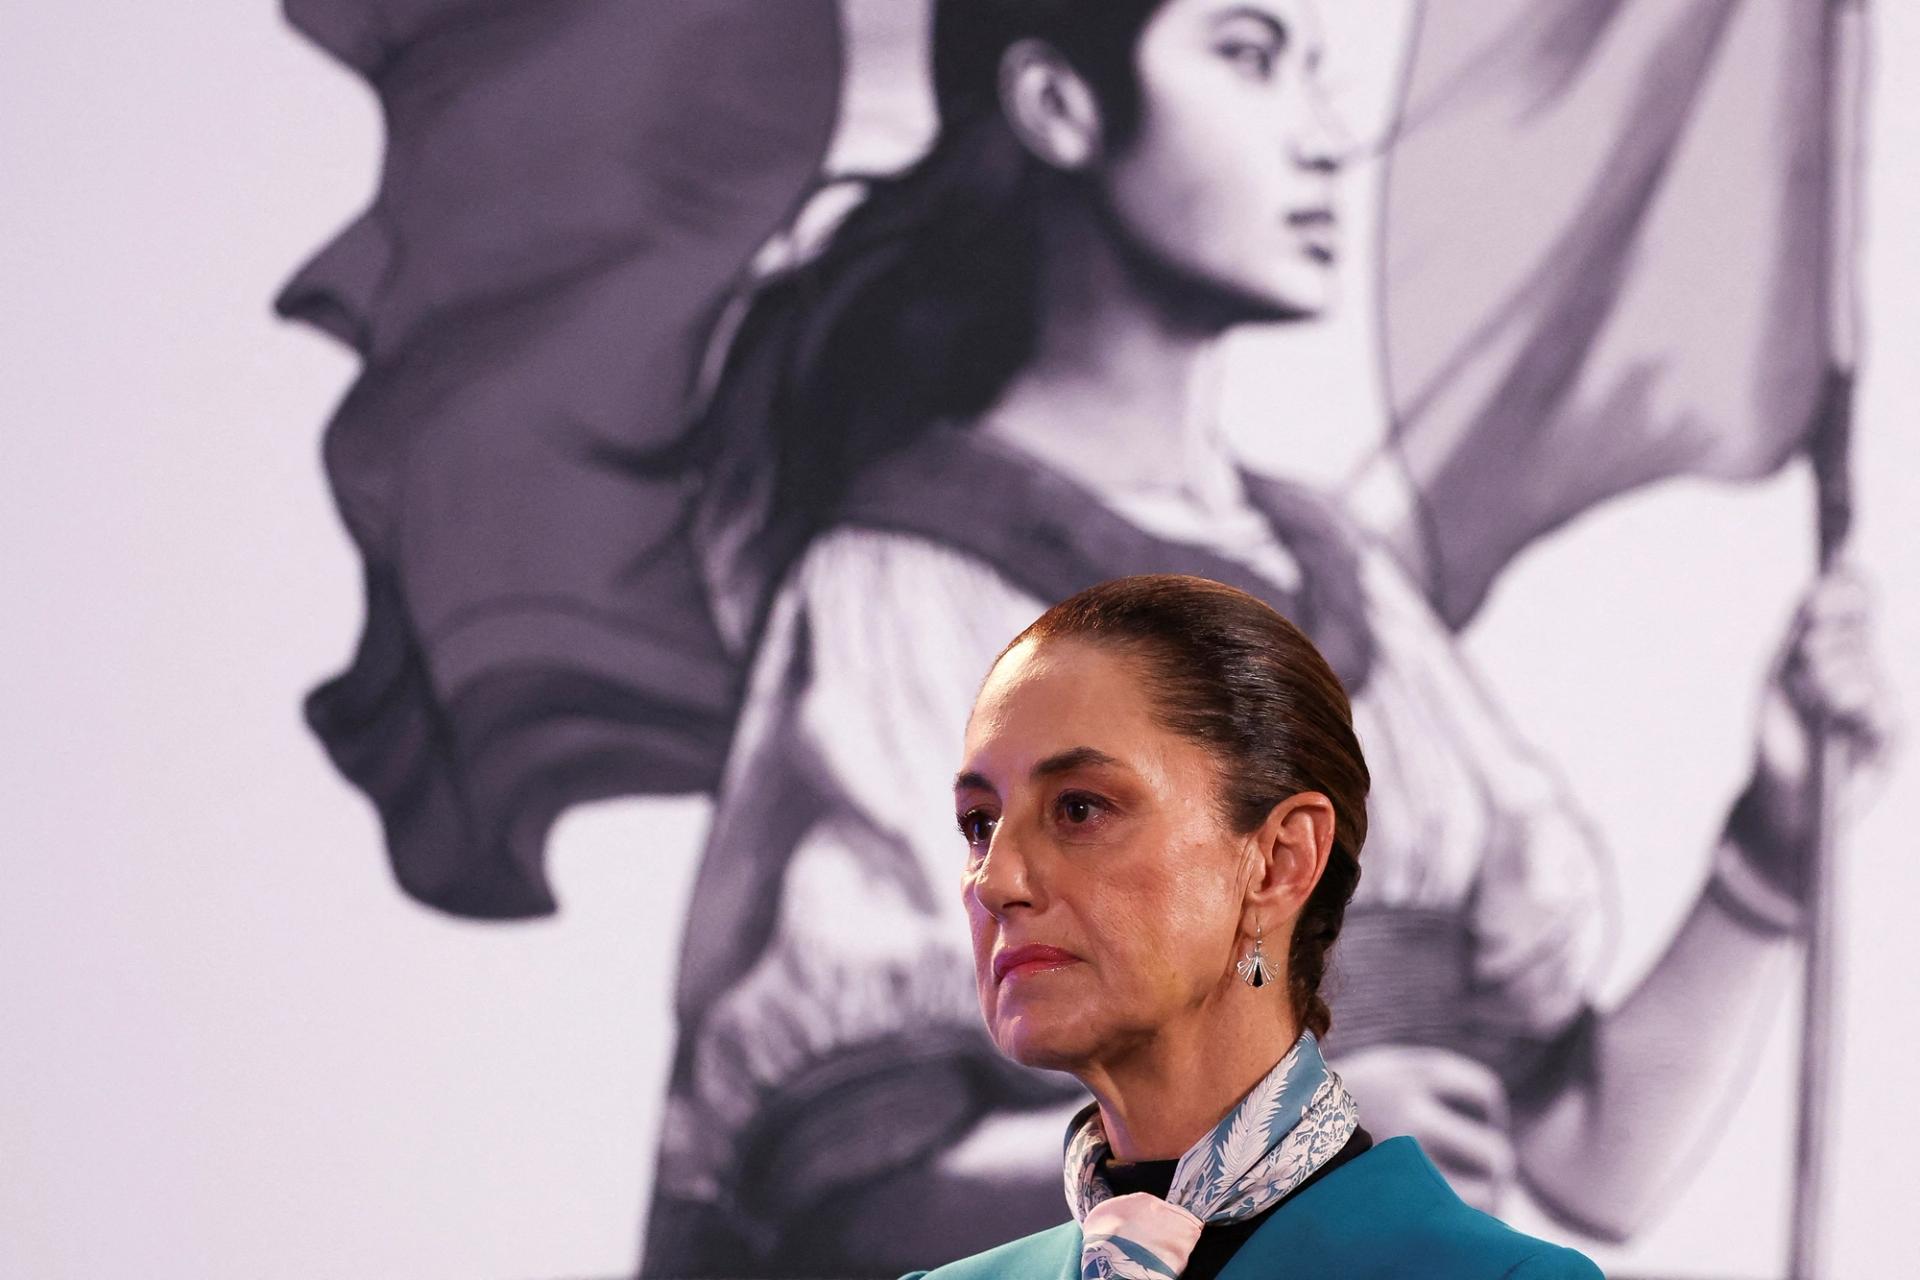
(1285, 1244)
(1335, 1226)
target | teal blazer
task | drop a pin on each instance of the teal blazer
(1387, 1214)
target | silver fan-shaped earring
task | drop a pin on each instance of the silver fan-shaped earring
(1254, 969)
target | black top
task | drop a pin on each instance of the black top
(1219, 1241)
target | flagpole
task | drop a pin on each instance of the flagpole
(1828, 452)
(1814, 1128)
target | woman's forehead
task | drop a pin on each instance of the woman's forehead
(1048, 695)
(1299, 20)
(1055, 670)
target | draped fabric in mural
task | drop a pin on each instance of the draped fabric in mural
(740, 376)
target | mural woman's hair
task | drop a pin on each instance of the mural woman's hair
(1236, 677)
(919, 308)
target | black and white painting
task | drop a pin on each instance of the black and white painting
(724, 382)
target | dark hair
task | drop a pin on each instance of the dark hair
(1097, 37)
(1229, 673)
(923, 303)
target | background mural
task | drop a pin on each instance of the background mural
(726, 395)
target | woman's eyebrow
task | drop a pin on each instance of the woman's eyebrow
(1057, 763)
(1070, 759)
(1274, 25)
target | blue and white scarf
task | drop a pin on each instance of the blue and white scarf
(1295, 1120)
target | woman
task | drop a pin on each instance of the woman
(1164, 804)
(993, 388)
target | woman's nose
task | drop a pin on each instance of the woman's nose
(1354, 87)
(1002, 880)
(1322, 141)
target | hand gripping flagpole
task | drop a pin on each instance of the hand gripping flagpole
(1828, 450)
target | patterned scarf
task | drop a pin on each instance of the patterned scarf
(1292, 1122)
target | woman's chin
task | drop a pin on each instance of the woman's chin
(1300, 285)
(1041, 1043)
(1288, 294)
(1304, 293)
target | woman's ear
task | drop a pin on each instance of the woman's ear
(1291, 849)
(1050, 108)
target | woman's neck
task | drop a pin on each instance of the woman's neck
(1122, 391)
(1159, 1098)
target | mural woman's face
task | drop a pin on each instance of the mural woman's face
(1229, 180)
(1097, 864)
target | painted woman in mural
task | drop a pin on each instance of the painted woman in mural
(994, 383)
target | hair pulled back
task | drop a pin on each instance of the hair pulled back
(1231, 674)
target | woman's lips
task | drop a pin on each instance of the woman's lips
(1319, 232)
(1032, 958)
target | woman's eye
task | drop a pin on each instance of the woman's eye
(977, 826)
(1255, 60)
(1077, 810)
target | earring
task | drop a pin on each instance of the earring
(1254, 969)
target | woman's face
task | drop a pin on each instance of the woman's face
(1229, 180)
(1096, 855)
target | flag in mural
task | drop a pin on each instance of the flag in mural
(569, 195)
(1609, 259)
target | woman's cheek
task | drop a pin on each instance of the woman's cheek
(1133, 964)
